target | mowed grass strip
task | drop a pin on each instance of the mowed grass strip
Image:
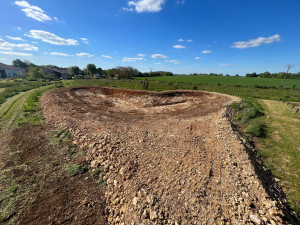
(228, 80)
(11, 109)
(30, 112)
(14, 87)
(22, 107)
(281, 148)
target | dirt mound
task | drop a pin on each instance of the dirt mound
(168, 158)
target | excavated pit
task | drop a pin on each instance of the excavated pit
(168, 158)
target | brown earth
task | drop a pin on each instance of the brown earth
(169, 158)
(44, 193)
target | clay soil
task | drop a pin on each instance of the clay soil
(168, 158)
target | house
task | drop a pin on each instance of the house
(10, 71)
(61, 73)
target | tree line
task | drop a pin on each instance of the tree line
(280, 75)
(38, 72)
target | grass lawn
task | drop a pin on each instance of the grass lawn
(244, 81)
(281, 148)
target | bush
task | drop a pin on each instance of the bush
(248, 110)
(247, 116)
(235, 106)
(256, 129)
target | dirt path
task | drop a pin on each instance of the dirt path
(168, 158)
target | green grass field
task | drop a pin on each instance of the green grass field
(153, 85)
(281, 148)
(244, 81)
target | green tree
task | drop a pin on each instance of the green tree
(265, 74)
(99, 70)
(111, 72)
(74, 70)
(126, 72)
(91, 69)
(22, 64)
(19, 63)
(35, 73)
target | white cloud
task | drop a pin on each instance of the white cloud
(145, 5)
(190, 40)
(178, 46)
(55, 18)
(173, 61)
(4, 45)
(59, 54)
(19, 28)
(141, 55)
(33, 12)
(85, 40)
(106, 56)
(127, 59)
(197, 58)
(25, 4)
(84, 55)
(159, 56)
(15, 38)
(51, 38)
(158, 63)
(227, 64)
(206, 52)
(256, 42)
(181, 40)
(15, 53)
(3, 59)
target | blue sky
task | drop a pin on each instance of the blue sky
(182, 36)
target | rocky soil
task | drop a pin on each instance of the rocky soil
(169, 157)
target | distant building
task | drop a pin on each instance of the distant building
(59, 73)
(10, 71)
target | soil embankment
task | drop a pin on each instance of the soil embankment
(168, 158)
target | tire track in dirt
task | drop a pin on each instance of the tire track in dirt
(169, 157)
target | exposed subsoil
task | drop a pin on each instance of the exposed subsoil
(46, 194)
(169, 157)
